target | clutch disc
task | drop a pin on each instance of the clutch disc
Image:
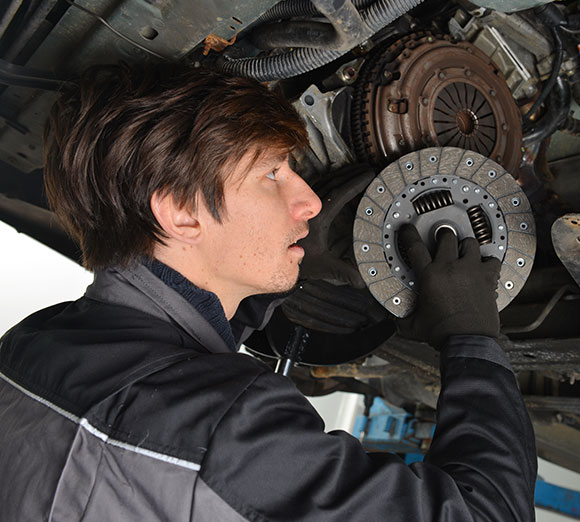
(435, 188)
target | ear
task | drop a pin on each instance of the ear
(178, 222)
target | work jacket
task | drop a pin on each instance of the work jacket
(127, 406)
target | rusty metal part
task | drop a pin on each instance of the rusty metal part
(559, 356)
(559, 444)
(354, 370)
(561, 404)
(416, 189)
(425, 90)
(566, 241)
(216, 43)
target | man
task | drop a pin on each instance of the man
(131, 404)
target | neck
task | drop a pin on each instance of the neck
(197, 274)
(206, 303)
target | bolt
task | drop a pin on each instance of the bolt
(492, 93)
(467, 72)
(434, 181)
(365, 248)
(389, 226)
(509, 285)
(411, 283)
(470, 50)
(465, 188)
(523, 225)
(500, 227)
(433, 159)
(369, 211)
(401, 143)
(412, 190)
(396, 215)
(454, 182)
(429, 39)
(425, 101)
(504, 126)
(492, 173)
(398, 204)
(397, 269)
(516, 202)
(477, 191)
(521, 262)
(380, 189)
(387, 75)
(469, 162)
(372, 271)
(396, 301)
(492, 205)
(409, 166)
(500, 247)
(348, 73)
(441, 76)
(387, 246)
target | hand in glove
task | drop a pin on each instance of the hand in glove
(457, 289)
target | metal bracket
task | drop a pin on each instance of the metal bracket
(325, 140)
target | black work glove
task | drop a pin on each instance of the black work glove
(457, 290)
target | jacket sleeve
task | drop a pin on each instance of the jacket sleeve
(270, 459)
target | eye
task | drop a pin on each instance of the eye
(272, 175)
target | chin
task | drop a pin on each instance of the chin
(282, 282)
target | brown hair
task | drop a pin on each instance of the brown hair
(120, 134)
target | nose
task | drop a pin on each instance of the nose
(306, 204)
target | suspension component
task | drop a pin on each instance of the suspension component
(480, 225)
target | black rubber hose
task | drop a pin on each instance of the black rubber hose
(294, 8)
(558, 56)
(302, 60)
(318, 35)
(571, 126)
(558, 107)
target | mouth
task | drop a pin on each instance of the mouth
(295, 247)
(296, 244)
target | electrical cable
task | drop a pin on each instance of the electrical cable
(304, 59)
(558, 56)
(115, 31)
(567, 30)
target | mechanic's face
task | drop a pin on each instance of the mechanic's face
(267, 208)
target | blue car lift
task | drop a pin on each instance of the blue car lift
(561, 500)
(392, 429)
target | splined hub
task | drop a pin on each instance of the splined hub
(433, 189)
(425, 90)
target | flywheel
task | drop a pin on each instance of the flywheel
(434, 188)
(425, 90)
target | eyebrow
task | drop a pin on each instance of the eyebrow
(268, 161)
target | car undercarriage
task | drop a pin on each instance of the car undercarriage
(436, 113)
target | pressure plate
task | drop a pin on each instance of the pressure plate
(425, 90)
(435, 188)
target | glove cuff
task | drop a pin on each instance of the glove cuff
(462, 324)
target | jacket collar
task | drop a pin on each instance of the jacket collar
(138, 288)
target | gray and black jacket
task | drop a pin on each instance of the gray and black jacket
(127, 406)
